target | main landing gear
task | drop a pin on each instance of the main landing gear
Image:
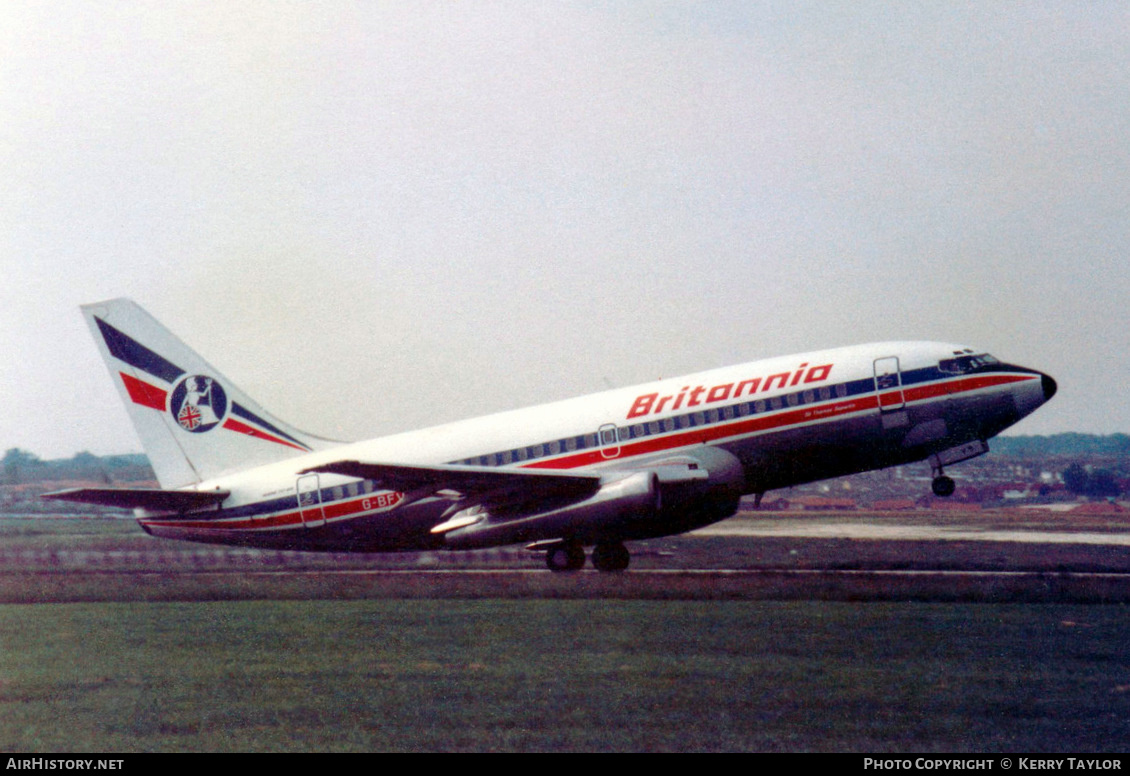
(570, 556)
(567, 556)
(610, 557)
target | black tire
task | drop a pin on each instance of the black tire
(943, 486)
(565, 557)
(611, 557)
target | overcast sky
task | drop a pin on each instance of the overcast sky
(376, 216)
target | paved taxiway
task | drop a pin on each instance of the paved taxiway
(1028, 526)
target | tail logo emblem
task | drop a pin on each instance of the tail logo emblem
(198, 403)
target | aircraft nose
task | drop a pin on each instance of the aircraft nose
(1048, 385)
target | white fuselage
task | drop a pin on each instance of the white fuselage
(785, 420)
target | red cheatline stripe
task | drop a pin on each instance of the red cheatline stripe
(280, 520)
(779, 420)
(964, 385)
(143, 393)
(887, 399)
(918, 393)
(242, 428)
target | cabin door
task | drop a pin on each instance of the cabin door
(609, 441)
(888, 384)
(310, 501)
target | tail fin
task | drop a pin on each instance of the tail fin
(193, 422)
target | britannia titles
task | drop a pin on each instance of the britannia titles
(653, 403)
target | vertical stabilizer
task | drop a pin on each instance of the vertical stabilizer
(193, 422)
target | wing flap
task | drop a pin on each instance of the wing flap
(143, 498)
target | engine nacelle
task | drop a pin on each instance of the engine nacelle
(615, 506)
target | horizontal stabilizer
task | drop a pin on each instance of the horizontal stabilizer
(147, 498)
(467, 480)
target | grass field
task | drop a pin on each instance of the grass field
(563, 675)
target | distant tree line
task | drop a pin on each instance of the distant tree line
(1069, 444)
(20, 466)
(1095, 483)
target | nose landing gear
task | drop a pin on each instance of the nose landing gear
(943, 486)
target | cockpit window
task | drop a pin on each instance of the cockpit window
(963, 364)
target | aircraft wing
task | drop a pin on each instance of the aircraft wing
(144, 498)
(468, 481)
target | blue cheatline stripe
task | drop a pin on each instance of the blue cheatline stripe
(702, 416)
(246, 414)
(283, 503)
(135, 354)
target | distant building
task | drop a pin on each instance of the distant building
(819, 504)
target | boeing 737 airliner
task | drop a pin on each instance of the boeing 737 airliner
(622, 465)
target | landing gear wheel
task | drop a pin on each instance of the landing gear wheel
(611, 557)
(943, 486)
(565, 557)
